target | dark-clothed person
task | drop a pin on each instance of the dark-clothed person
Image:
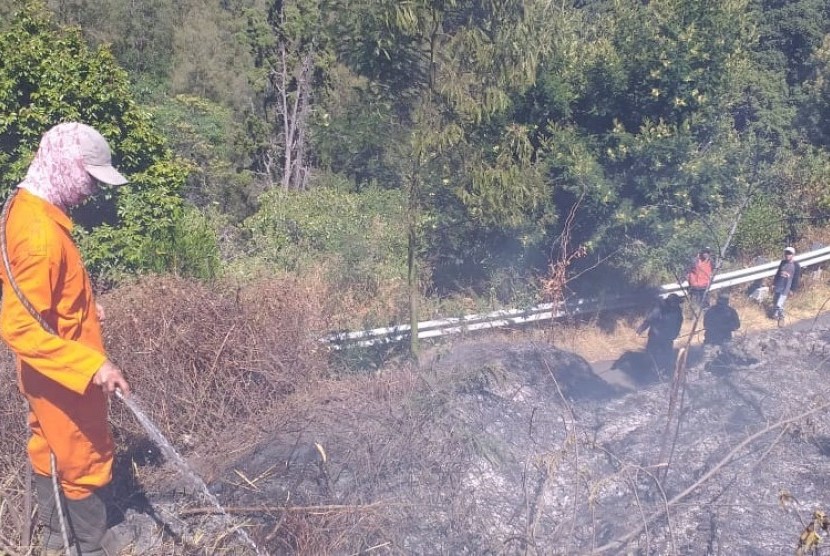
(663, 324)
(700, 277)
(720, 322)
(785, 281)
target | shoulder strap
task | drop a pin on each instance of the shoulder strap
(4, 252)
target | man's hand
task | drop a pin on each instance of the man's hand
(110, 378)
(99, 311)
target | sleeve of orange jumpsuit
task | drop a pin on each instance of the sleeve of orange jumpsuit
(37, 269)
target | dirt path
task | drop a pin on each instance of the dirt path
(622, 371)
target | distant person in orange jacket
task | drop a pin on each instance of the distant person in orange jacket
(700, 277)
(66, 377)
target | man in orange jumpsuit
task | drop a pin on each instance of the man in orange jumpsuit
(66, 377)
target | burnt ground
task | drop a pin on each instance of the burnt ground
(508, 447)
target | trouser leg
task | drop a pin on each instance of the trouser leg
(71, 427)
(778, 305)
(661, 352)
(86, 521)
(694, 295)
(51, 538)
(699, 297)
(667, 351)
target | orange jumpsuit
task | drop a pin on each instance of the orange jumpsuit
(67, 413)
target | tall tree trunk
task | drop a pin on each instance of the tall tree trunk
(299, 172)
(287, 103)
(412, 261)
(287, 119)
(293, 110)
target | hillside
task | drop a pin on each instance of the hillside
(516, 447)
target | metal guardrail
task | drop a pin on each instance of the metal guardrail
(549, 311)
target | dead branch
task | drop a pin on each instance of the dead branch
(571, 434)
(663, 497)
(7, 550)
(678, 389)
(317, 510)
(622, 540)
(554, 283)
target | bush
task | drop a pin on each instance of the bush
(760, 230)
(204, 362)
(360, 235)
(50, 75)
(194, 250)
(205, 359)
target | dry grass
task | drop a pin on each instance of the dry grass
(12, 458)
(203, 360)
(216, 367)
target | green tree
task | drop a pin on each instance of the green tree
(289, 50)
(450, 68)
(816, 108)
(209, 50)
(140, 34)
(789, 32)
(207, 135)
(354, 131)
(637, 112)
(49, 75)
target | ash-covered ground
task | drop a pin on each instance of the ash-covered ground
(508, 448)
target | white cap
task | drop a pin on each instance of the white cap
(98, 157)
(789, 250)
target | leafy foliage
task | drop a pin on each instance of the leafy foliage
(49, 75)
(205, 134)
(362, 232)
(494, 120)
(760, 229)
(208, 51)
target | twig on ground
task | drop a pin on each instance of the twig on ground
(7, 550)
(330, 508)
(663, 497)
(373, 548)
(622, 540)
(572, 434)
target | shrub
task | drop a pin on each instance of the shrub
(50, 75)
(205, 363)
(204, 359)
(361, 235)
(760, 230)
(194, 250)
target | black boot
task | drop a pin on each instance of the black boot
(51, 540)
(86, 521)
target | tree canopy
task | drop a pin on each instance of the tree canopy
(50, 75)
(644, 127)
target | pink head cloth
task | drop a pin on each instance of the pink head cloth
(57, 173)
